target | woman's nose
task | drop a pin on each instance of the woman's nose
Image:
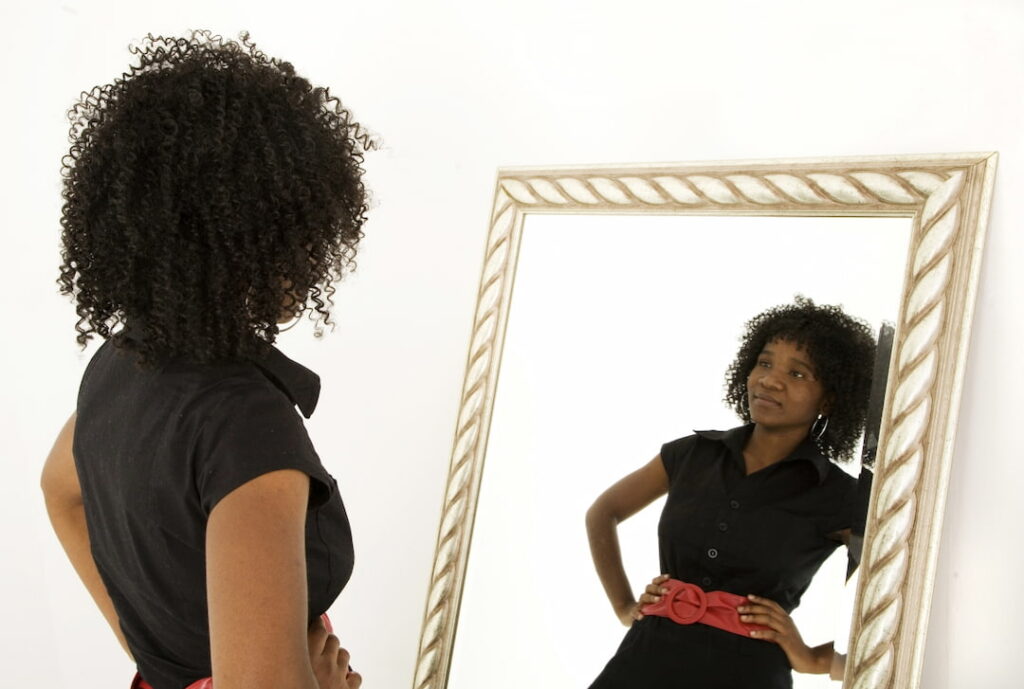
(769, 380)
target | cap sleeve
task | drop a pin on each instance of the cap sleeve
(675, 454)
(845, 516)
(249, 430)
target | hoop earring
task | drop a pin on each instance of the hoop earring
(294, 323)
(820, 431)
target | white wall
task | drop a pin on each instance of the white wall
(457, 89)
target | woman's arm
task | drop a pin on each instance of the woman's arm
(63, 496)
(818, 660)
(256, 590)
(624, 499)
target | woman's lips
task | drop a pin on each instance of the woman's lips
(766, 402)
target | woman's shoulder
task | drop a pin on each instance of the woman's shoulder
(700, 447)
(680, 445)
(186, 389)
(840, 478)
(240, 387)
(706, 438)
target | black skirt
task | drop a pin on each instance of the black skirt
(657, 653)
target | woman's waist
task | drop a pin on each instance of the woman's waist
(709, 641)
(777, 586)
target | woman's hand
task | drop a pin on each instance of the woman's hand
(330, 660)
(783, 631)
(630, 611)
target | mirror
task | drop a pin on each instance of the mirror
(619, 335)
(630, 294)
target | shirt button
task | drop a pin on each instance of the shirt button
(735, 504)
(705, 582)
(722, 526)
(712, 553)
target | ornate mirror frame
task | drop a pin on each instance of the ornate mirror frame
(948, 198)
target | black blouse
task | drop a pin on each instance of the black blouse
(766, 533)
(156, 450)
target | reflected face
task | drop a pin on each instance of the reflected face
(783, 389)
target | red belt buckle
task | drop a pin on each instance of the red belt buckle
(684, 603)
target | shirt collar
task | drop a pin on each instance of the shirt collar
(301, 385)
(807, 450)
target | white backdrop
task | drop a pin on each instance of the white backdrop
(457, 89)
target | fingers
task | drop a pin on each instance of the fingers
(777, 627)
(758, 610)
(649, 597)
(652, 594)
(765, 620)
(331, 662)
(352, 679)
(767, 613)
(766, 635)
(654, 590)
(333, 647)
(767, 602)
(317, 637)
(760, 614)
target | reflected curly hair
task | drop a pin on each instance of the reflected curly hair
(842, 351)
(207, 188)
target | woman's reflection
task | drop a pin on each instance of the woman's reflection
(751, 513)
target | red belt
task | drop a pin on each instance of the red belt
(207, 682)
(688, 603)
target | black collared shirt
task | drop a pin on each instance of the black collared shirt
(156, 449)
(766, 533)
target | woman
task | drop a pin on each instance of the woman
(211, 194)
(751, 513)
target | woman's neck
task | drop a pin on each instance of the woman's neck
(767, 446)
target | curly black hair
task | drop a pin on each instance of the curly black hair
(205, 188)
(842, 351)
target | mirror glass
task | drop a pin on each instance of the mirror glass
(620, 330)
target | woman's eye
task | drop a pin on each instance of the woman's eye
(797, 374)
(764, 364)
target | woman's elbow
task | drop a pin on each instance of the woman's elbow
(600, 513)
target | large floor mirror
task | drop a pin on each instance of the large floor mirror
(610, 306)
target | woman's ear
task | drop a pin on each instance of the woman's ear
(826, 404)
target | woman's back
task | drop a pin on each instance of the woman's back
(156, 449)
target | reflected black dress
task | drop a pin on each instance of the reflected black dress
(764, 534)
